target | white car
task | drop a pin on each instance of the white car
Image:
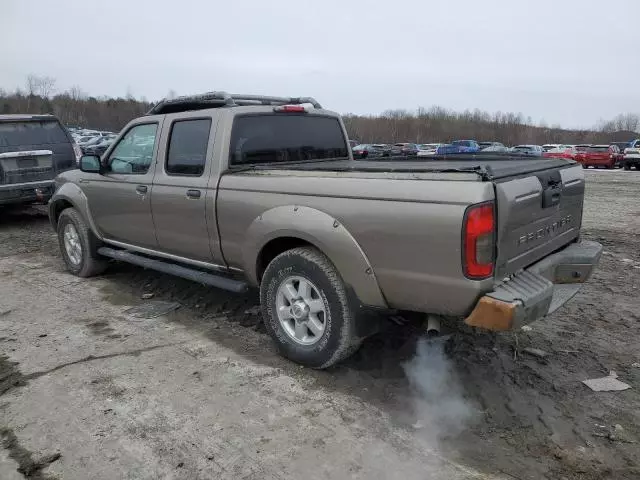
(632, 155)
(427, 149)
(532, 150)
(84, 139)
(553, 146)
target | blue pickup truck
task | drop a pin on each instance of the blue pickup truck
(458, 146)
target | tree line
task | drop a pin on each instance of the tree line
(436, 124)
(441, 125)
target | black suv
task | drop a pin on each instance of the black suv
(33, 150)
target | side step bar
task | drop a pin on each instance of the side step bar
(217, 281)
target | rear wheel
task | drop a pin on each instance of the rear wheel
(306, 309)
(627, 166)
(79, 245)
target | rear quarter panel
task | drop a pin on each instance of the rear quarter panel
(409, 230)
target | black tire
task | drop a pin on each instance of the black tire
(91, 263)
(338, 340)
(627, 166)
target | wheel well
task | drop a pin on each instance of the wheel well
(58, 207)
(274, 248)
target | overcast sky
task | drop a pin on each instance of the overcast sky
(571, 62)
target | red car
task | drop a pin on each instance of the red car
(599, 156)
(569, 153)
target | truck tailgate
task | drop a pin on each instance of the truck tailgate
(537, 214)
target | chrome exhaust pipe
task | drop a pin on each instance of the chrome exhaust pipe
(433, 325)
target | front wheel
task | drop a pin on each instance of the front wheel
(306, 308)
(79, 245)
(627, 166)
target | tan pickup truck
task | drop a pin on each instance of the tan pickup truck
(240, 191)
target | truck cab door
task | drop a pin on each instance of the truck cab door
(120, 198)
(180, 194)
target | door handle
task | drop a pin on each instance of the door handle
(193, 193)
(141, 189)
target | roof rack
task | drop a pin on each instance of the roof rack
(223, 99)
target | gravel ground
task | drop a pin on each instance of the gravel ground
(88, 390)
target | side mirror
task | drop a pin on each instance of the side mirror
(90, 163)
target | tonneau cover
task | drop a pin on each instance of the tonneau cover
(493, 167)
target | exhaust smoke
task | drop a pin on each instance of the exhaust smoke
(440, 408)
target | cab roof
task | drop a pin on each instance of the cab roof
(223, 99)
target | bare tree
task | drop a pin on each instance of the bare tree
(38, 85)
(47, 86)
(76, 93)
(32, 84)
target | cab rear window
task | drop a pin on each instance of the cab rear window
(276, 138)
(13, 134)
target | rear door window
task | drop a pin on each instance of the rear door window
(274, 138)
(13, 134)
(188, 147)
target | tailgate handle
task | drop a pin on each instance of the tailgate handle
(551, 196)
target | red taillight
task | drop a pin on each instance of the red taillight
(290, 108)
(479, 228)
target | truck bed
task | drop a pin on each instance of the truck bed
(488, 167)
(407, 214)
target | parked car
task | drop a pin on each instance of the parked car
(427, 149)
(33, 150)
(496, 149)
(621, 145)
(459, 146)
(367, 151)
(598, 156)
(98, 148)
(583, 147)
(389, 150)
(552, 146)
(568, 153)
(528, 150)
(408, 149)
(91, 143)
(266, 203)
(484, 145)
(632, 155)
(82, 140)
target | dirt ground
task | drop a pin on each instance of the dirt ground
(87, 390)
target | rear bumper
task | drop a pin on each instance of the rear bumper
(26, 192)
(537, 291)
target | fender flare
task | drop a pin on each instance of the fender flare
(71, 193)
(325, 233)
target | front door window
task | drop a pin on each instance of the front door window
(134, 152)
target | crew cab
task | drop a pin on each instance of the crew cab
(632, 155)
(244, 191)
